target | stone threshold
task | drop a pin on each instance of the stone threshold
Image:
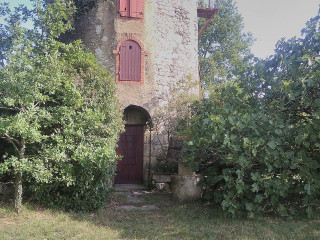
(129, 187)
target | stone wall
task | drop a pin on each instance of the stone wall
(168, 34)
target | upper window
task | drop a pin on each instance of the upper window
(131, 8)
(130, 61)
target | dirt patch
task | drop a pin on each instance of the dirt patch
(135, 197)
(132, 200)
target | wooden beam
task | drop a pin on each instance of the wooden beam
(208, 13)
(206, 25)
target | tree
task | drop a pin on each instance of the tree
(256, 140)
(224, 49)
(58, 108)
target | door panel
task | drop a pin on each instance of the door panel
(130, 146)
(130, 61)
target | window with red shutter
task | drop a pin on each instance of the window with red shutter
(124, 8)
(130, 61)
(131, 8)
(136, 10)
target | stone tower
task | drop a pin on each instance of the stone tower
(149, 46)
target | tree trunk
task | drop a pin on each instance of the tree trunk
(18, 181)
(18, 192)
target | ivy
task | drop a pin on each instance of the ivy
(83, 6)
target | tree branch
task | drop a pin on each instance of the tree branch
(12, 141)
(10, 109)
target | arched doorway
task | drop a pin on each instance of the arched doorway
(131, 146)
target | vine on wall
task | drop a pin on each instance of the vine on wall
(83, 6)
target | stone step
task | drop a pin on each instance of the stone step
(129, 187)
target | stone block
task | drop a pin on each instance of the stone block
(160, 178)
(162, 186)
(186, 187)
(174, 155)
(185, 170)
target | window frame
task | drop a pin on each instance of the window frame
(143, 54)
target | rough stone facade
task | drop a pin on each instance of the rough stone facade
(168, 35)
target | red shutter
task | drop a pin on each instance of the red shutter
(130, 61)
(124, 8)
(136, 10)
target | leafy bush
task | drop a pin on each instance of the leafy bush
(83, 139)
(164, 166)
(58, 111)
(257, 139)
(84, 6)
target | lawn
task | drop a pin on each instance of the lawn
(172, 220)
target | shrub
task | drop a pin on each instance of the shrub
(164, 166)
(58, 109)
(83, 139)
(256, 140)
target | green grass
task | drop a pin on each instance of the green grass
(173, 220)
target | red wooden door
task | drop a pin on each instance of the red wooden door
(130, 146)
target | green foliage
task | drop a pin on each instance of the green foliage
(164, 166)
(58, 111)
(84, 6)
(174, 115)
(223, 47)
(256, 140)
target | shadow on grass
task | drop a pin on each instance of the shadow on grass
(194, 220)
(173, 220)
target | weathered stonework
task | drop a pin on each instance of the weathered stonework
(168, 35)
(185, 187)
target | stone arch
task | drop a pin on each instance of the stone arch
(133, 147)
(136, 115)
